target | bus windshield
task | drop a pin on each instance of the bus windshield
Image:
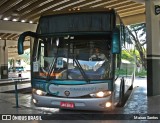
(72, 58)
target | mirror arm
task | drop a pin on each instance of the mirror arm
(21, 40)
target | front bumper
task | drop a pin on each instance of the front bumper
(97, 104)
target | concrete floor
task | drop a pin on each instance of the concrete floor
(137, 104)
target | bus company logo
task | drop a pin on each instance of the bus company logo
(6, 117)
(67, 93)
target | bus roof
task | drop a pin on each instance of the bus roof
(106, 10)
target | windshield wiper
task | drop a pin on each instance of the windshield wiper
(51, 68)
(81, 70)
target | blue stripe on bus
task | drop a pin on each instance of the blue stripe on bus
(77, 82)
(43, 84)
(71, 82)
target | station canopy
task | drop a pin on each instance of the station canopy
(29, 11)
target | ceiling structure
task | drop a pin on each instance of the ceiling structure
(29, 11)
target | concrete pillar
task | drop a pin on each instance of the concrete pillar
(14, 62)
(153, 48)
(3, 60)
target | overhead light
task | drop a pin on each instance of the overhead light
(30, 21)
(23, 21)
(5, 19)
(14, 20)
(0, 38)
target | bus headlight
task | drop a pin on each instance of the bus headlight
(101, 94)
(39, 92)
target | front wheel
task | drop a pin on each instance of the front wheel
(121, 92)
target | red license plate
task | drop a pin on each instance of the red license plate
(67, 104)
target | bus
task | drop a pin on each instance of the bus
(75, 60)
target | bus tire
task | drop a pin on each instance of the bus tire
(133, 78)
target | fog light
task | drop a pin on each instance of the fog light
(108, 104)
(34, 101)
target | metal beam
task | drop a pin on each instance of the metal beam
(139, 1)
(139, 18)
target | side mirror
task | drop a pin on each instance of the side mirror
(21, 39)
(116, 45)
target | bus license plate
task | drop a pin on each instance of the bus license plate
(67, 104)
